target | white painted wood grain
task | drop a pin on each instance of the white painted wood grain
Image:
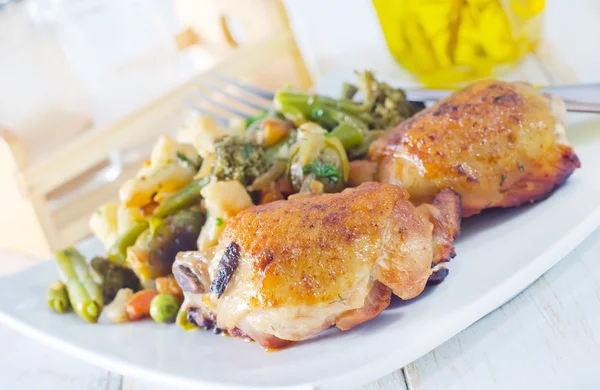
(546, 337)
(27, 365)
(394, 381)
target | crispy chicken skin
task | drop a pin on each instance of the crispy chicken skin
(294, 268)
(497, 144)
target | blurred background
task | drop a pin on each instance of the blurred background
(105, 58)
(71, 69)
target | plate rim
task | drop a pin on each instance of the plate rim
(118, 365)
(469, 314)
(389, 362)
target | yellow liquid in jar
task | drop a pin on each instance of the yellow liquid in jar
(445, 42)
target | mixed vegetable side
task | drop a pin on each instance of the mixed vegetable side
(184, 195)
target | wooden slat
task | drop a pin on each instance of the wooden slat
(300, 70)
(21, 228)
(548, 337)
(94, 146)
(72, 221)
(67, 165)
(393, 381)
(40, 206)
(252, 56)
(27, 364)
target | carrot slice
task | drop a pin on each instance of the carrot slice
(138, 306)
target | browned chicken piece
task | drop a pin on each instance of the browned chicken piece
(376, 301)
(287, 270)
(497, 144)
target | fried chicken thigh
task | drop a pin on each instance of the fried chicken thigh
(497, 144)
(287, 270)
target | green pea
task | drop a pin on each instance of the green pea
(164, 308)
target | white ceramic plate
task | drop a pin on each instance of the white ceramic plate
(500, 253)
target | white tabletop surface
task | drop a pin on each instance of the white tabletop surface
(546, 337)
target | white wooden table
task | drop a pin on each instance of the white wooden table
(546, 337)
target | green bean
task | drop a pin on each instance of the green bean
(164, 308)
(85, 294)
(292, 113)
(294, 98)
(363, 148)
(183, 198)
(118, 252)
(318, 114)
(340, 116)
(359, 119)
(82, 270)
(326, 111)
(295, 107)
(182, 320)
(348, 135)
(58, 298)
(179, 200)
(366, 118)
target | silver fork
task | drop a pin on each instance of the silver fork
(219, 96)
(251, 100)
(225, 98)
(577, 97)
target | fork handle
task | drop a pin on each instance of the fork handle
(574, 106)
(577, 97)
(589, 93)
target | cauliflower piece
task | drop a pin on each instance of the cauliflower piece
(172, 165)
(115, 311)
(104, 223)
(202, 131)
(138, 255)
(223, 200)
(111, 221)
(126, 218)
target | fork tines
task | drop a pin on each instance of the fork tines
(226, 98)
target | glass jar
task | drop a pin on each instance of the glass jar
(445, 42)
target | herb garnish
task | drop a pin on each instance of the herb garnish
(219, 221)
(322, 169)
(339, 300)
(252, 119)
(502, 179)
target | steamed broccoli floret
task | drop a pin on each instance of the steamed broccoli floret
(239, 158)
(388, 105)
